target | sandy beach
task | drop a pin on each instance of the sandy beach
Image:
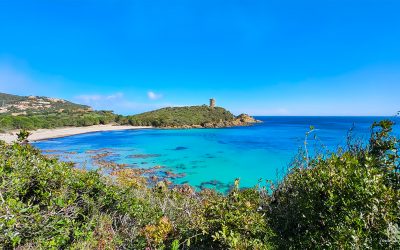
(42, 134)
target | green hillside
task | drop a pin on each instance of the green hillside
(190, 116)
(55, 120)
(35, 112)
(8, 99)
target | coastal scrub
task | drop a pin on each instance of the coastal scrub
(348, 199)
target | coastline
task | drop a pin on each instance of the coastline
(44, 134)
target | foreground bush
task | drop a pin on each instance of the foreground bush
(345, 200)
(50, 204)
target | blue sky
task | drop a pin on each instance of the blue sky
(332, 57)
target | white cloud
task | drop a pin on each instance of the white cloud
(153, 96)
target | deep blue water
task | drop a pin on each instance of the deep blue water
(215, 157)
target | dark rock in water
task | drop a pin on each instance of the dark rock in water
(101, 162)
(171, 175)
(180, 148)
(209, 156)
(100, 150)
(70, 152)
(180, 166)
(50, 150)
(213, 184)
(142, 156)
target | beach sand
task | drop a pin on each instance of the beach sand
(42, 134)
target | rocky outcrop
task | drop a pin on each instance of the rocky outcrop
(246, 119)
(240, 120)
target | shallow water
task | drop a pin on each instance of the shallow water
(213, 158)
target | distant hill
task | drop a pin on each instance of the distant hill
(22, 105)
(190, 117)
(34, 112)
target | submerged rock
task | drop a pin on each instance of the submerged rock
(142, 156)
(213, 184)
(180, 148)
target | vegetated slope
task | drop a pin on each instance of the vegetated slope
(344, 200)
(13, 104)
(190, 116)
(8, 98)
(55, 120)
(33, 112)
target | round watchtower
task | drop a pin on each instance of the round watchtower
(212, 103)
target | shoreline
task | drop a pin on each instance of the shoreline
(44, 134)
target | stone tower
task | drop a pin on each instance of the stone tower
(212, 103)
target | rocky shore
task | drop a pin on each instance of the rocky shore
(238, 121)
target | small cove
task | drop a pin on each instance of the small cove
(212, 158)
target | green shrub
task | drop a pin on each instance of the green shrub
(23, 135)
(54, 120)
(236, 221)
(50, 204)
(342, 200)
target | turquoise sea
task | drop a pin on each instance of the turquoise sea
(213, 158)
